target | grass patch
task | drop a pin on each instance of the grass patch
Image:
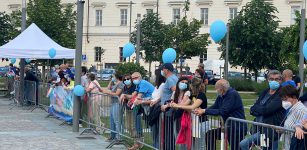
(243, 95)
(103, 83)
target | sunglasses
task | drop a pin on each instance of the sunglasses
(126, 79)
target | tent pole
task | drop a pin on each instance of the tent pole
(78, 56)
(22, 61)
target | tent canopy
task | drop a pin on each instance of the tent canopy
(34, 43)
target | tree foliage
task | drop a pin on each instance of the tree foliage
(6, 28)
(129, 68)
(254, 41)
(56, 20)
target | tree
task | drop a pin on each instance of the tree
(254, 37)
(130, 68)
(187, 40)
(154, 37)
(6, 28)
(56, 20)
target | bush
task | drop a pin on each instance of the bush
(242, 85)
(259, 87)
(248, 85)
(129, 68)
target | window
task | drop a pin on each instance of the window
(148, 11)
(203, 57)
(176, 15)
(204, 16)
(98, 17)
(233, 12)
(121, 58)
(98, 53)
(293, 16)
(123, 17)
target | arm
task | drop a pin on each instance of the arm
(195, 105)
(268, 109)
(117, 93)
(109, 85)
(229, 104)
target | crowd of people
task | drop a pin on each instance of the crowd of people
(181, 99)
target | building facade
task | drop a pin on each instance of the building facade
(107, 23)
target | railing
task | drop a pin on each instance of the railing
(247, 134)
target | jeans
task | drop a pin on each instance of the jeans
(155, 135)
(137, 123)
(255, 139)
(114, 120)
(200, 143)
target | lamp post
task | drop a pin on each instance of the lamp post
(78, 56)
(227, 54)
(138, 38)
(22, 61)
(302, 39)
(130, 20)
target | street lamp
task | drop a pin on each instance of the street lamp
(78, 57)
(22, 61)
(302, 39)
(130, 20)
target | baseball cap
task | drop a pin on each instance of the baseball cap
(168, 66)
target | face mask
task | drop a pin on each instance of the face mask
(136, 82)
(274, 85)
(113, 80)
(127, 82)
(286, 105)
(162, 73)
(183, 86)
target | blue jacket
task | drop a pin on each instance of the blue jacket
(228, 105)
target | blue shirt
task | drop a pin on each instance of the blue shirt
(167, 91)
(146, 88)
(289, 82)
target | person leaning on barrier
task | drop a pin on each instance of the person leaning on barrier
(297, 110)
(144, 90)
(227, 104)
(197, 99)
(267, 109)
(93, 109)
(115, 91)
(168, 139)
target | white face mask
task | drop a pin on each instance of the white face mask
(286, 105)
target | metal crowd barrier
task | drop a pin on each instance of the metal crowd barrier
(6, 86)
(43, 89)
(107, 116)
(247, 134)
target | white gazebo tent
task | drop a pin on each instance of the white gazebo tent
(33, 43)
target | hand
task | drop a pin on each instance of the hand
(163, 108)
(299, 133)
(152, 103)
(199, 111)
(304, 123)
(137, 102)
(122, 98)
(174, 105)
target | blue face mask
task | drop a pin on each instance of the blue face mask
(127, 82)
(113, 79)
(182, 86)
(274, 85)
(162, 73)
(136, 82)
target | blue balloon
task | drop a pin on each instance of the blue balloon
(169, 55)
(79, 90)
(27, 60)
(13, 60)
(52, 53)
(218, 30)
(128, 50)
(305, 50)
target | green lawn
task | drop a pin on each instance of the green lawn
(103, 83)
(243, 95)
